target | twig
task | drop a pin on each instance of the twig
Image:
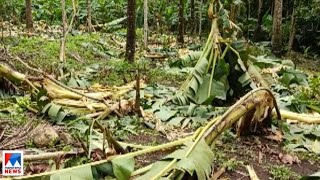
(110, 139)
(252, 173)
(76, 57)
(65, 33)
(216, 175)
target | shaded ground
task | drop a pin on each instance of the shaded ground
(266, 157)
(307, 64)
(149, 139)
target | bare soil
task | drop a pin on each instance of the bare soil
(246, 150)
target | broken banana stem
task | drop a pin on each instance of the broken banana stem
(310, 119)
(10, 74)
(14, 76)
(239, 109)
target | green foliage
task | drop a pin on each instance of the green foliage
(44, 53)
(55, 112)
(122, 167)
(189, 159)
(303, 138)
(281, 172)
(82, 172)
(290, 76)
(123, 127)
(178, 116)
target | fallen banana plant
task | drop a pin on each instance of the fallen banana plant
(194, 157)
(219, 66)
(61, 100)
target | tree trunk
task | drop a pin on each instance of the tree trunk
(131, 30)
(137, 101)
(192, 17)
(248, 16)
(89, 22)
(257, 32)
(233, 13)
(276, 40)
(145, 23)
(293, 28)
(200, 18)
(62, 56)
(29, 21)
(181, 23)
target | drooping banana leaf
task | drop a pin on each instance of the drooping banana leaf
(222, 66)
(189, 159)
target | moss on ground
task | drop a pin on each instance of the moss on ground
(44, 54)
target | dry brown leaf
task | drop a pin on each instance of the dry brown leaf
(289, 159)
(276, 136)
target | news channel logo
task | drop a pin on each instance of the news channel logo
(12, 163)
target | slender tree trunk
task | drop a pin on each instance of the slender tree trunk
(137, 101)
(131, 30)
(276, 39)
(1, 21)
(145, 23)
(192, 17)
(181, 23)
(293, 28)
(233, 13)
(200, 18)
(29, 21)
(89, 22)
(248, 16)
(257, 32)
(62, 56)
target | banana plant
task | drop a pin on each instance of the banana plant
(222, 60)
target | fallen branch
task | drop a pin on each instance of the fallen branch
(49, 155)
(252, 173)
(310, 119)
(216, 175)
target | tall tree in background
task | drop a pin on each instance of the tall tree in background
(29, 21)
(192, 17)
(257, 32)
(233, 12)
(145, 23)
(293, 25)
(200, 18)
(276, 40)
(62, 56)
(89, 22)
(181, 23)
(131, 30)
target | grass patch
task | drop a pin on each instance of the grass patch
(44, 53)
(282, 172)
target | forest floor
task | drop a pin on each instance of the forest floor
(269, 158)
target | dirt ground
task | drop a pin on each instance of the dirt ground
(257, 151)
(262, 154)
